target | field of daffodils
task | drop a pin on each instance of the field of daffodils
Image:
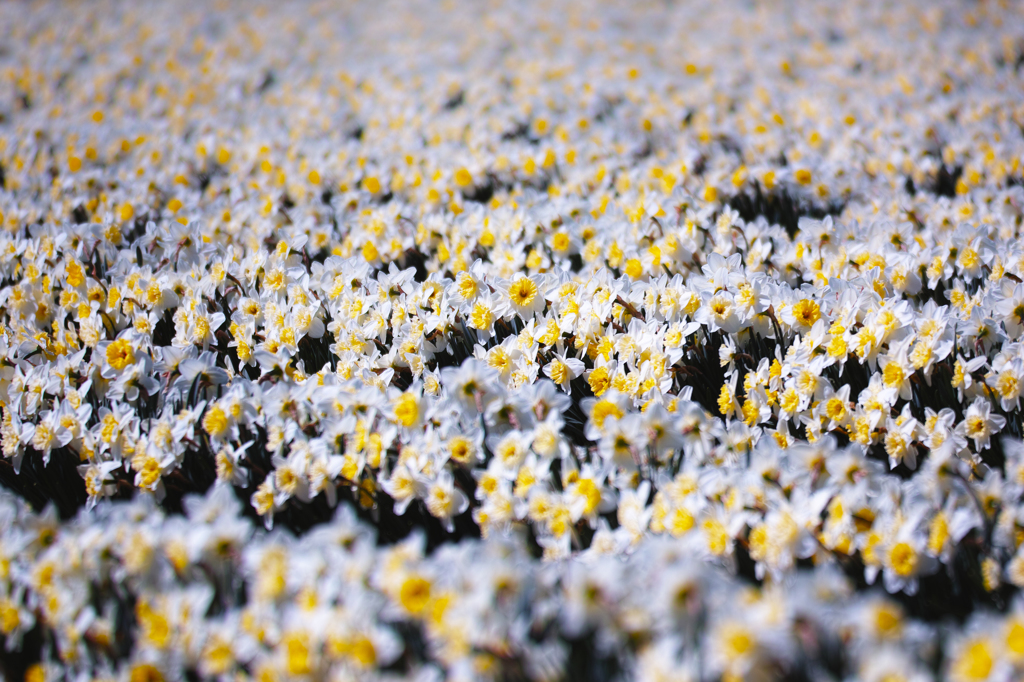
(544, 340)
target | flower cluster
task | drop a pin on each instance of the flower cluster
(578, 299)
(211, 596)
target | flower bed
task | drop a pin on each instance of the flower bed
(511, 342)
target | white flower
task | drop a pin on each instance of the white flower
(563, 369)
(472, 384)
(525, 297)
(624, 442)
(443, 500)
(980, 424)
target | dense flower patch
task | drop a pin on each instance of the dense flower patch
(533, 341)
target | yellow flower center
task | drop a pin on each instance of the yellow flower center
(120, 354)
(975, 663)
(806, 312)
(407, 409)
(523, 291)
(903, 559)
(414, 594)
(602, 410)
(893, 375)
(215, 422)
(559, 372)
